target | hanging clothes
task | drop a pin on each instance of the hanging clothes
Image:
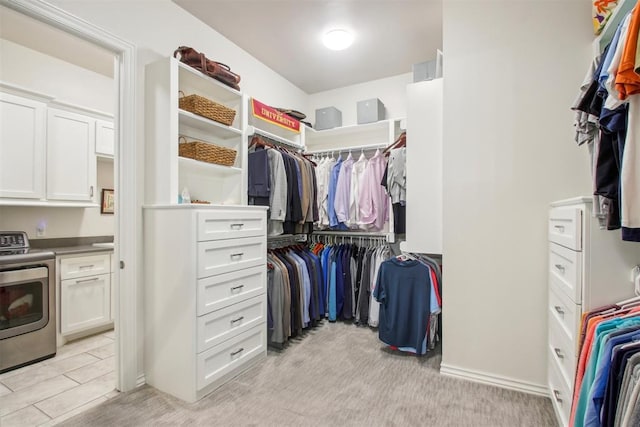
(373, 199)
(407, 297)
(294, 292)
(286, 182)
(608, 120)
(609, 341)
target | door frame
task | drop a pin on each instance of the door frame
(125, 182)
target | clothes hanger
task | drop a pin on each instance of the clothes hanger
(400, 142)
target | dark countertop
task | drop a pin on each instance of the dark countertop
(70, 250)
(73, 245)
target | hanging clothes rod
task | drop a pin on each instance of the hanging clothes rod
(347, 149)
(273, 138)
(363, 234)
(285, 240)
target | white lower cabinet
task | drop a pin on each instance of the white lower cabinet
(85, 292)
(205, 295)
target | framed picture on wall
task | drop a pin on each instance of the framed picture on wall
(106, 207)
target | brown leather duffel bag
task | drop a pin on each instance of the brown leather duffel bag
(199, 61)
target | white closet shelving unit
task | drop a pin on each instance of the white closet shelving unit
(205, 264)
(355, 139)
(167, 173)
(424, 168)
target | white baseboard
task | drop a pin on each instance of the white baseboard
(495, 380)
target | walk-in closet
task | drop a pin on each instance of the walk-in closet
(354, 212)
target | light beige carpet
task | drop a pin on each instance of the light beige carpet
(336, 375)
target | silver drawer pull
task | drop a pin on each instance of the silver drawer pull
(560, 267)
(235, 288)
(240, 350)
(239, 254)
(237, 226)
(560, 228)
(556, 395)
(237, 320)
(559, 310)
(558, 353)
(93, 279)
(86, 266)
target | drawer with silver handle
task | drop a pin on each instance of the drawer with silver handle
(562, 351)
(564, 311)
(561, 395)
(231, 224)
(223, 256)
(85, 265)
(565, 269)
(224, 358)
(565, 227)
(218, 326)
(216, 292)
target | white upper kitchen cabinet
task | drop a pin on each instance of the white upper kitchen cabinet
(71, 161)
(105, 138)
(22, 147)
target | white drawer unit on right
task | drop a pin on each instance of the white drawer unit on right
(588, 268)
(205, 295)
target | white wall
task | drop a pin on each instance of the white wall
(392, 91)
(51, 76)
(157, 28)
(69, 83)
(512, 71)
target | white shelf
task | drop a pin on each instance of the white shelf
(194, 79)
(203, 124)
(380, 133)
(289, 142)
(208, 168)
(379, 126)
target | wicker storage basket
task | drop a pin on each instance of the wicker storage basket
(204, 107)
(206, 152)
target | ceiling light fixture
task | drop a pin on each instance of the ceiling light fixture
(337, 39)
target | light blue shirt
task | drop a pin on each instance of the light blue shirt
(596, 394)
(333, 311)
(601, 332)
(306, 286)
(333, 184)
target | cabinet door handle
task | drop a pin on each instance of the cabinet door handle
(93, 279)
(560, 228)
(558, 353)
(556, 395)
(237, 320)
(237, 226)
(560, 267)
(235, 288)
(559, 310)
(239, 254)
(240, 350)
(91, 191)
(86, 266)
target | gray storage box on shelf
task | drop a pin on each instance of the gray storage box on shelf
(427, 70)
(370, 111)
(328, 118)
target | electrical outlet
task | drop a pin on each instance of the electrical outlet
(41, 229)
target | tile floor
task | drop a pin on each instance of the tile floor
(80, 376)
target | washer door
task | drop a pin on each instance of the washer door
(24, 301)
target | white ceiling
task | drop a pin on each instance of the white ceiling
(391, 35)
(31, 33)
